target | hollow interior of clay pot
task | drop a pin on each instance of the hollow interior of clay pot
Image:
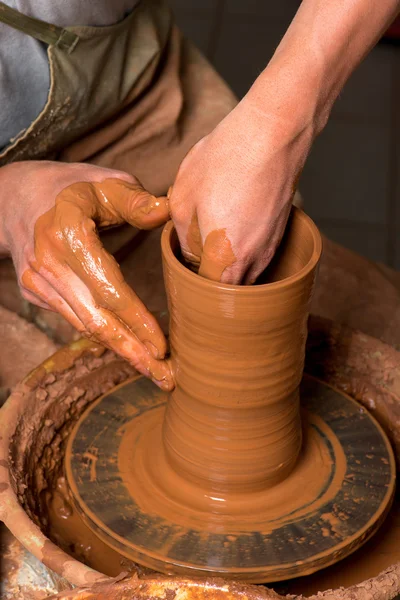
(296, 250)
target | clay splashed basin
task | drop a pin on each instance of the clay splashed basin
(36, 421)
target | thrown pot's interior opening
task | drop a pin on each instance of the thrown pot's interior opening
(295, 251)
(300, 247)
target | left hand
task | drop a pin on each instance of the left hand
(51, 214)
(233, 193)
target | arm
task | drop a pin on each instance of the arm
(240, 179)
(324, 44)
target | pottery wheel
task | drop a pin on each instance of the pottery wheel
(334, 500)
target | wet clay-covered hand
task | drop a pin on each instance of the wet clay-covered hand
(50, 215)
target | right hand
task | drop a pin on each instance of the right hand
(233, 193)
(50, 213)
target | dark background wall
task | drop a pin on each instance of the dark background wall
(351, 183)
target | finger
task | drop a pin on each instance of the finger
(102, 325)
(192, 247)
(217, 256)
(102, 275)
(33, 299)
(189, 236)
(39, 288)
(258, 267)
(134, 204)
(95, 322)
(34, 289)
(248, 266)
(253, 273)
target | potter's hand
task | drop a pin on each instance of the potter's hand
(50, 215)
(233, 193)
(232, 196)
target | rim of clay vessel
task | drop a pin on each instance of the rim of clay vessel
(169, 238)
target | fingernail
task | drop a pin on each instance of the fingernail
(169, 192)
(152, 349)
(158, 383)
(167, 381)
(164, 384)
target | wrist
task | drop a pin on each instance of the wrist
(295, 97)
(276, 124)
(264, 144)
(309, 67)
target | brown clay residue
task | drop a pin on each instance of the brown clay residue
(211, 259)
(380, 552)
(382, 386)
(62, 387)
(217, 255)
(92, 460)
(154, 588)
(384, 587)
(67, 529)
(52, 554)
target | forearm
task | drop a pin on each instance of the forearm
(324, 44)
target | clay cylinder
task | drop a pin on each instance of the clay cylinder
(232, 423)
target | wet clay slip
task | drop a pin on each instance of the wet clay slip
(228, 477)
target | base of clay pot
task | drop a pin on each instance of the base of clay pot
(335, 499)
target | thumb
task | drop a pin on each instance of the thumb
(217, 257)
(134, 204)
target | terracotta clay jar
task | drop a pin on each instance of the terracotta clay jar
(233, 421)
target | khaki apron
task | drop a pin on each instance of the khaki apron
(134, 96)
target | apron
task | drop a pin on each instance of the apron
(89, 83)
(134, 96)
